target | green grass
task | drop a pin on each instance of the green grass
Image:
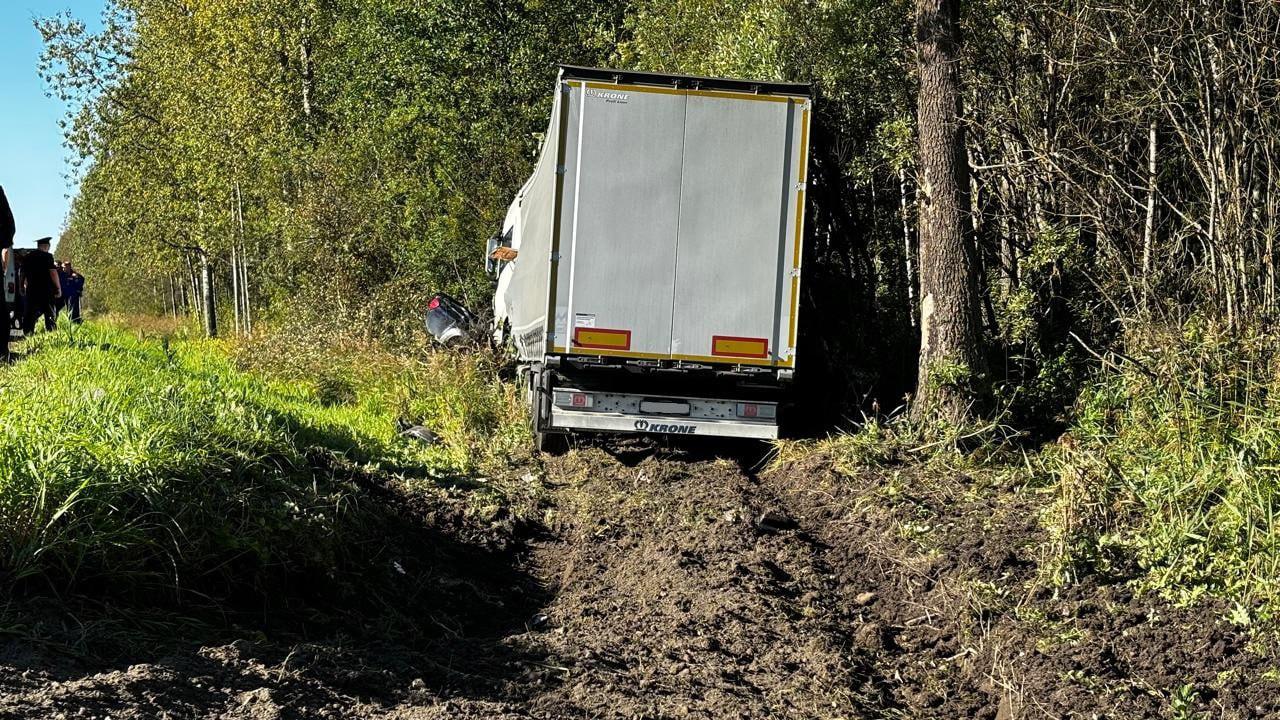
(1169, 476)
(157, 468)
(479, 419)
(1174, 466)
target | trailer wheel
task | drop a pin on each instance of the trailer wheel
(552, 443)
(540, 414)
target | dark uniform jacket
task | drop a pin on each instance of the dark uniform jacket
(7, 227)
(73, 286)
(35, 268)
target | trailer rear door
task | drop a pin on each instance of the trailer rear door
(738, 228)
(622, 200)
(681, 224)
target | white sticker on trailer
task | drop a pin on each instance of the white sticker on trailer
(586, 320)
(610, 96)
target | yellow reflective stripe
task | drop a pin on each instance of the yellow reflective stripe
(729, 361)
(685, 358)
(635, 88)
(799, 238)
(741, 96)
(799, 243)
(795, 297)
(610, 339)
(804, 145)
(699, 93)
(795, 265)
(618, 353)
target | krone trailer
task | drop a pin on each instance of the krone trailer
(648, 273)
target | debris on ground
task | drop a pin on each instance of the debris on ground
(417, 432)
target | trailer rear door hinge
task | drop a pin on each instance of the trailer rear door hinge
(555, 257)
(561, 169)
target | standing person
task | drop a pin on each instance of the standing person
(63, 277)
(72, 290)
(7, 229)
(40, 277)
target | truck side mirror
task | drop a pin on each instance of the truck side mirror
(490, 263)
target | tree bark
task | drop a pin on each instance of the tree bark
(235, 290)
(907, 251)
(1148, 226)
(193, 289)
(241, 269)
(950, 365)
(308, 70)
(244, 289)
(210, 302)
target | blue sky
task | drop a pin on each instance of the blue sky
(33, 165)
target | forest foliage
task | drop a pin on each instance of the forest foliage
(336, 161)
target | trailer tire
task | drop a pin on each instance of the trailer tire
(545, 441)
(552, 443)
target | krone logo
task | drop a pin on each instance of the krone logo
(609, 95)
(646, 426)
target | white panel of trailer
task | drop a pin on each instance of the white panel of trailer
(571, 93)
(679, 220)
(737, 223)
(621, 215)
(526, 279)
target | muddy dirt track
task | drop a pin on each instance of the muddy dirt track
(663, 585)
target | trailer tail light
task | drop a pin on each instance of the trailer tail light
(728, 346)
(759, 411)
(601, 339)
(574, 400)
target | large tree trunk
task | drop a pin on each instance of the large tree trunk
(951, 364)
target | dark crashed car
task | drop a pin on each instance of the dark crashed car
(448, 320)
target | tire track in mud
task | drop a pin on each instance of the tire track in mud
(687, 588)
(691, 588)
(676, 587)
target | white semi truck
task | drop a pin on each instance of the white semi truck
(648, 273)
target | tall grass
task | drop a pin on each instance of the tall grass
(146, 466)
(457, 394)
(1174, 466)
